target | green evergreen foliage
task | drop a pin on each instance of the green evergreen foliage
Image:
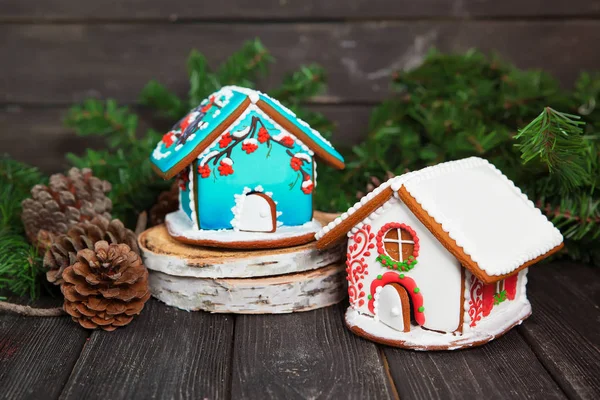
(20, 265)
(455, 106)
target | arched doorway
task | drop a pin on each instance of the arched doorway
(394, 307)
(258, 213)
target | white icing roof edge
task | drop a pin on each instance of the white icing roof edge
(357, 206)
(415, 177)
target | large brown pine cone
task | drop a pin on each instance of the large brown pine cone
(67, 200)
(106, 287)
(168, 202)
(64, 248)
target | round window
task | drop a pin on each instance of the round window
(398, 246)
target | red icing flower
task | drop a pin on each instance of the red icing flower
(204, 171)
(168, 139)
(187, 121)
(249, 147)
(307, 186)
(225, 168)
(225, 140)
(263, 135)
(296, 163)
(287, 141)
(207, 107)
(183, 179)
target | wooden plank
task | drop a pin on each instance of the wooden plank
(306, 355)
(36, 135)
(61, 64)
(286, 10)
(503, 368)
(37, 354)
(563, 330)
(165, 353)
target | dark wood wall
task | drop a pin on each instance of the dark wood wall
(57, 52)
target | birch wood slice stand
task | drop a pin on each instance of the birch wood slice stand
(284, 280)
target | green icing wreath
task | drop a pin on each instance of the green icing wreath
(392, 264)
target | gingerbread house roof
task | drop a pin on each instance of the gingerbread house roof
(206, 123)
(474, 210)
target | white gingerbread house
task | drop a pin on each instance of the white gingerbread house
(437, 258)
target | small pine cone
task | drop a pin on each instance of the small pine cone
(168, 202)
(67, 200)
(106, 287)
(64, 248)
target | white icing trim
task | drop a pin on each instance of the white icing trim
(192, 186)
(357, 206)
(303, 156)
(509, 313)
(315, 173)
(179, 225)
(208, 153)
(373, 216)
(239, 204)
(467, 294)
(254, 96)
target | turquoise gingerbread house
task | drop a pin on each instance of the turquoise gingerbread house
(245, 164)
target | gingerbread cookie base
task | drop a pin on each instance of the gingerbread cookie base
(418, 338)
(181, 228)
(271, 295)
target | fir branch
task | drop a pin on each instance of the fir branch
(556, 139)
(301, 85)
(202, 81)
(245, 66)
(16, 181)
(166, 103)
(20, 265)
(98, 118)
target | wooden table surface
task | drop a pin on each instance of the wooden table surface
(168, 353)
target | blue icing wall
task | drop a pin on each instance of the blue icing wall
(185, 201)
(268, 166)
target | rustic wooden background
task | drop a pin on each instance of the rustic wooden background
(57, 52)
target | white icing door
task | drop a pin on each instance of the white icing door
(394, 307)
(257, 214)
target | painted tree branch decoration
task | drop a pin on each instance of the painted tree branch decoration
(250, 138)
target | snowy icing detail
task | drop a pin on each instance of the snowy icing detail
(239, 204)
(178, 224)
(192, 184)
(204, 158)
(353, 209)
(242, 132)
(158, 154)
(303, 156)
(208, 153)
(511, 313)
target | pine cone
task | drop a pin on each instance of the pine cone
(67, 200)
(64, 248)
(168, 202)
(106, 287)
